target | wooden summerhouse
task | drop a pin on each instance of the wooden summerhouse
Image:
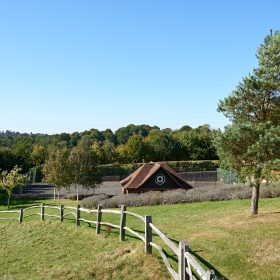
(153, 177)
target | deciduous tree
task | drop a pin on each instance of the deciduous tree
(38, 155)
(161, 146)
(84, 169)
(133, 150)
(56, 170)
(10, 180)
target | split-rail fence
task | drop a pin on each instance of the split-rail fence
(188, 267)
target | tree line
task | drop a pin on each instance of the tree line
(130, 144)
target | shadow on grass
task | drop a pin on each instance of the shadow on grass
(270, 213)
(21, 203)
(207, 264)
(194, 253)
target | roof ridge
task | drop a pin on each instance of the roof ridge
(135, 174)
(150, 173)
(130, 176)
(141, 175)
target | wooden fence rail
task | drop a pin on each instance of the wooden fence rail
(188, 267)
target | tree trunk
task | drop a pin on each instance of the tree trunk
(255, 199)
(77, 188)
(9, 201)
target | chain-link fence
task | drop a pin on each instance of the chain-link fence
(208, 176)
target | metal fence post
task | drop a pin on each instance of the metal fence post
(148, 235)
(122, 223)
(182, 264)
(78, 214)
(99, 218)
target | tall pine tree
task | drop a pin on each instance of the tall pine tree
(251, 143)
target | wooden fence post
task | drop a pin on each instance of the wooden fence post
(42, 212)
(148, 235)
(182, 264)
(61, 212)
(210, 275)
(99, 218)
(20, 215)
(188, 266)
(122, 223)
(78, 214)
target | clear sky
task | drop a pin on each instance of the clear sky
(74, 65)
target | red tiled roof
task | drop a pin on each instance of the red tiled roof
(143, 173)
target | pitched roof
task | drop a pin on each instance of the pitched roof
(136, 179)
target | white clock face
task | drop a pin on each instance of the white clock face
(160, 179)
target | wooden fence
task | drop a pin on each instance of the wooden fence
(188, 267)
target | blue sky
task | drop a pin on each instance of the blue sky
(74, 65)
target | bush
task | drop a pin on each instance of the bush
(270, 191)
(94, 201)
(198, 194)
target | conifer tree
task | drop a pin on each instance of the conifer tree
(251, 143)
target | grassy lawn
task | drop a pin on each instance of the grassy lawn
(222, 235)
(54, 250)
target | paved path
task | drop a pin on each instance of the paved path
(40, 190)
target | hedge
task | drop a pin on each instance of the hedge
(179, 166)
(126, 169)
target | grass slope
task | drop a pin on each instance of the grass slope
(222, 235)
(53, 250)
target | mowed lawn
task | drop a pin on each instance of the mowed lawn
(225, 236)
(54, 250)
(222, 235)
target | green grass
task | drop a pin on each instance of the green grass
(54, 250)
(222, 235)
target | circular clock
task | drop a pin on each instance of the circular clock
(160, 179)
